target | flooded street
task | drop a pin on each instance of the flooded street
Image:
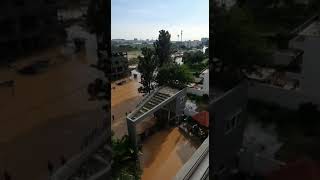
(165, 153)
(49, 113)
(124, 99)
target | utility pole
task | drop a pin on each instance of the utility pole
(181, 35)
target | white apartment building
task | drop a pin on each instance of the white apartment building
(202, 87)
(308, 40)
(296, 88)
(226, 3)
(228, 114)
(191, 44)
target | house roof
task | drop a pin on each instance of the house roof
(302, 169)
(202, 118)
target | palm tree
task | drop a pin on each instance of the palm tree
(124, 158)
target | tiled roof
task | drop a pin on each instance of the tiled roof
(202, 118)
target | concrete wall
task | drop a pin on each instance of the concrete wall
(228, 3)
(225, 147)
(206, 85)
(283, 97)
(282, 58)
(180, 102)
(297, 76)
(310, 65)
(194, 91)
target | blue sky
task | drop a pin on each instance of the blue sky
(143, 19)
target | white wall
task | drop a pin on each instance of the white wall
(285, 98)
(206, 86)
(282, 58)
(228, 3)
(194, 91)
(297, 76)
(310, 66)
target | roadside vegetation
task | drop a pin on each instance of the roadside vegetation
(125, 164)
(196, 61)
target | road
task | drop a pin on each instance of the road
(124, 99)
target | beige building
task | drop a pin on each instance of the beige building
(27, 25)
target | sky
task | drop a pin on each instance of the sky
(143, 19)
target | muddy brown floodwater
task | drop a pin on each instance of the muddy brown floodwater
(124, 99)
(165, 153)
(49, 114)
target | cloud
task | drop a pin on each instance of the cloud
(150, 31)
(140, 11)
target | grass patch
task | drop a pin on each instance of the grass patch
(134, 54)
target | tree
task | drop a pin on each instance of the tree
(147, 66)
(237, 43)
(124, 159)
(193, 57)
(162, 48)
(174, 75)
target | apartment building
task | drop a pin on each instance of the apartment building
(226, 3)
(228, 115)
(296, 81)
(28, 25)
(308, 40)
(202, 87)
(119, 65)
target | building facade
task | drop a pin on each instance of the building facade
(308, 40)
(228, 114)
(28, 25)
(226, 3)
(285, 87)
(119, 66)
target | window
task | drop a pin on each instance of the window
(233, 122)
(182, 99)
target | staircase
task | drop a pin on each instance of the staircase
(150, 102)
